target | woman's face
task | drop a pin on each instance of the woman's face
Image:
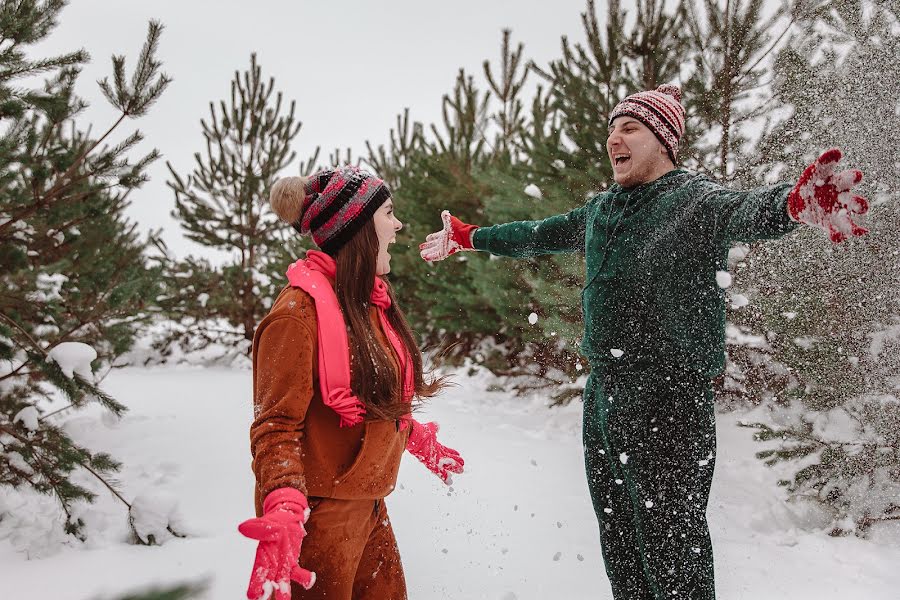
(386, 227)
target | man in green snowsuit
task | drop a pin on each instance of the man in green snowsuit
(654, 330)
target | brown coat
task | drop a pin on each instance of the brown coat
(295, 439)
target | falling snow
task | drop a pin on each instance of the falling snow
(533, 191)
(739, 301)
(723, 279)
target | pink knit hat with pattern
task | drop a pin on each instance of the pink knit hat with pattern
(337, 203)
(660, 110)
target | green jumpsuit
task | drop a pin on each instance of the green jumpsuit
(654, 334)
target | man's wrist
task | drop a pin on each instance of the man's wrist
(471, 239)
(794, 205)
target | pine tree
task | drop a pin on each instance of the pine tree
(584, 85)
(223, 204)
(541, 354)
(560, 148)
(75, 270)
(733, 47)
(392, 162)
(438, 173)
(184, 591)
(831, 313)
(656, 44)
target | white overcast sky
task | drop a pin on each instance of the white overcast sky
(352, 66)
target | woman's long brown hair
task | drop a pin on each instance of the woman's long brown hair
(373, 376)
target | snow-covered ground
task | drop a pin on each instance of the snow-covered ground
(517, 525)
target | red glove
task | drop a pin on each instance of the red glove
(456, 236)
(280, 533)
(439, 459)
(823, 198)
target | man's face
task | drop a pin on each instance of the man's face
(636, 154)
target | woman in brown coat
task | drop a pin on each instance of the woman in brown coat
(335, 367)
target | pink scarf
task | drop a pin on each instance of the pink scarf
(311, 275)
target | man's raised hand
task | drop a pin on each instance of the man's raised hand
(824, 199)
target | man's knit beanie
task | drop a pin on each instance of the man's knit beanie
(660, 110)
(331, 204)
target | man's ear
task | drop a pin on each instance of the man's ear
(665, 153)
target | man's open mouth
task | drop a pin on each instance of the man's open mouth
(621, 159)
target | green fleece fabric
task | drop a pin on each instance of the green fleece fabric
(652, 253)
(649, 451)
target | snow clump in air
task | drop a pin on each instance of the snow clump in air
(533, 191)
(723, 279)
(739, 301)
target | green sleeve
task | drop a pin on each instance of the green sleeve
(747, 216)
(523, 239)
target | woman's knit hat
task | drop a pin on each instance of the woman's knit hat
(331, 204)
(660, 110)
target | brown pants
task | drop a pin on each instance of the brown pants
(351, 547)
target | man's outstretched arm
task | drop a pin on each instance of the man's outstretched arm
(747, 215)
(521, 239)
(821, 197)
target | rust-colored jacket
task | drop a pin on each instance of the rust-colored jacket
(295, 439)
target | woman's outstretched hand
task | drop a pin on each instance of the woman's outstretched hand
(439, 459)
(280, 534)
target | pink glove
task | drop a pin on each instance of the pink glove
(439, 459)
(454, 237)
(823, 198)
(280, 532)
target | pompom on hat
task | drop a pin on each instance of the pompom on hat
(331, 204)
(660, 110)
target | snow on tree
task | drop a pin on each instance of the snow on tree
(155, 518)
(73, 357)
